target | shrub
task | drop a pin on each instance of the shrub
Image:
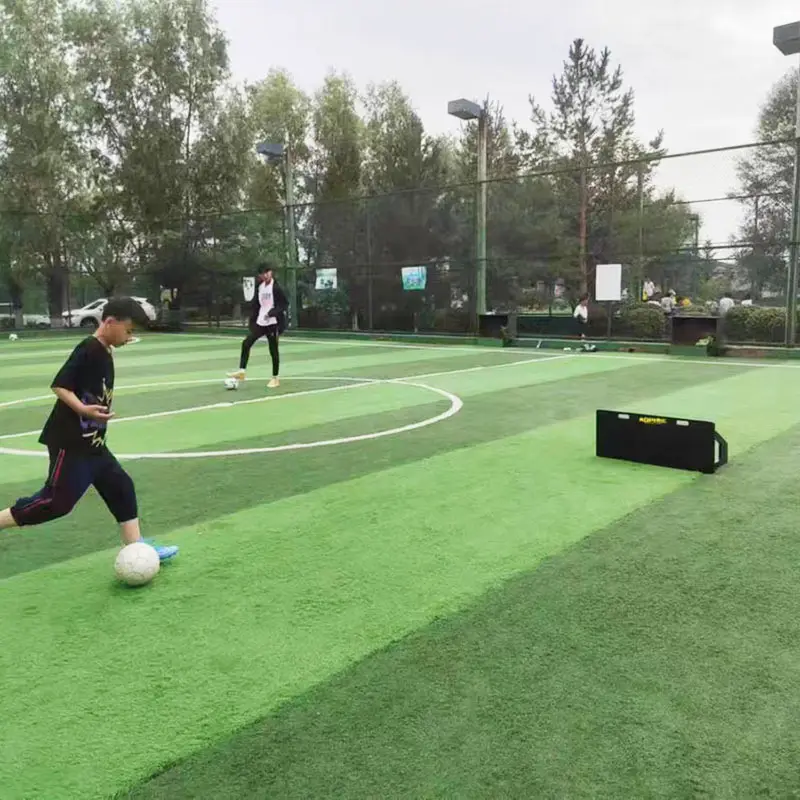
(641, 322)
(755, 324)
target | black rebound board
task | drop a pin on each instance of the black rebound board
(662, 441)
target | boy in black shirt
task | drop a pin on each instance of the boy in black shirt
(75, 434)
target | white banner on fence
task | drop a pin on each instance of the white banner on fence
(608, 283)
(326, 279)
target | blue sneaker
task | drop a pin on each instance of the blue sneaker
(165, 552)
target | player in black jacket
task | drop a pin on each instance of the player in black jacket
(267, 318)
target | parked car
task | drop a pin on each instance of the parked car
(8, 318)
(90, 315)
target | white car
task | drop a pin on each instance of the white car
(91, 315)
(8, 318)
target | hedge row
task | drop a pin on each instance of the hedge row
(756, 325)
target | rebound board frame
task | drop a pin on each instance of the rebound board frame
(672, 442)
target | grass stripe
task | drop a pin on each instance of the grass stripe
(240, 482)
(658, 658)
(311, 583)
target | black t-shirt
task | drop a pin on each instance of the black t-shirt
(89, 373)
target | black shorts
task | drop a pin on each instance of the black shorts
(70, 476)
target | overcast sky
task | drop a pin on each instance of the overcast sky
(699, 68)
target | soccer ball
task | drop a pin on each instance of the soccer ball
(231, 383)
(137, 564)
(12, 337)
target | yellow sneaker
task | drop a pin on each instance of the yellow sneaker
(239, 374)
(273, 384)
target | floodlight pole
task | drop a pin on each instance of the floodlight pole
(787, 39)
(481, 211)
(467, 110)
(794, 252)
(294, 312)
(279, 153)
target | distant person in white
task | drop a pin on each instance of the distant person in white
(748, 301)
(726, 304)
(267, 318)
(668, 302)
(581, 312)
(649, 290)
(581, 317)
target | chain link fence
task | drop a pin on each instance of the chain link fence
(546, 233)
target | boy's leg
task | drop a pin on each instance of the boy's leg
(116, 488)
(67, 481)
(247, 345)
(274, 353)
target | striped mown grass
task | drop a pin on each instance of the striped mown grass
(458, 610)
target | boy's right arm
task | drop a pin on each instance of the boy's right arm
(70, 399)
(68, 380)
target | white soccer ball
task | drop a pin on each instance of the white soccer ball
(12, 337)
(137, 564)
(231, 383)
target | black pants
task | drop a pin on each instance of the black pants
(71, 474)
(256, 332)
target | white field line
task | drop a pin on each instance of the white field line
(350, 383)
(646, 357)
(192, 409)
(538, 360)
(206, 381)
(355, 343)
(289, 340)
(456, 404)
(354, 382)
(720, 362)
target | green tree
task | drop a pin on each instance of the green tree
(589, 138)
(280, 113)
(524, 231)
(41, 157)
(166, 150)
(404, 170)
(332, 231)
(765, 179)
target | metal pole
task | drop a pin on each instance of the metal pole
(640, 190)
(293, 309)
(480, 216)
(369, 264)
(791, 283)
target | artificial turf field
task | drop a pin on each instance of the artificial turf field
(471, 605)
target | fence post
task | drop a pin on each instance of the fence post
(369, 264)
(290, 224)
(640, 189)
(583, 202)
(791, 300)
(483, 145)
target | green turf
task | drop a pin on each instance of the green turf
(238, 484)
(332, 575)
(658, 658)
(296, 566)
